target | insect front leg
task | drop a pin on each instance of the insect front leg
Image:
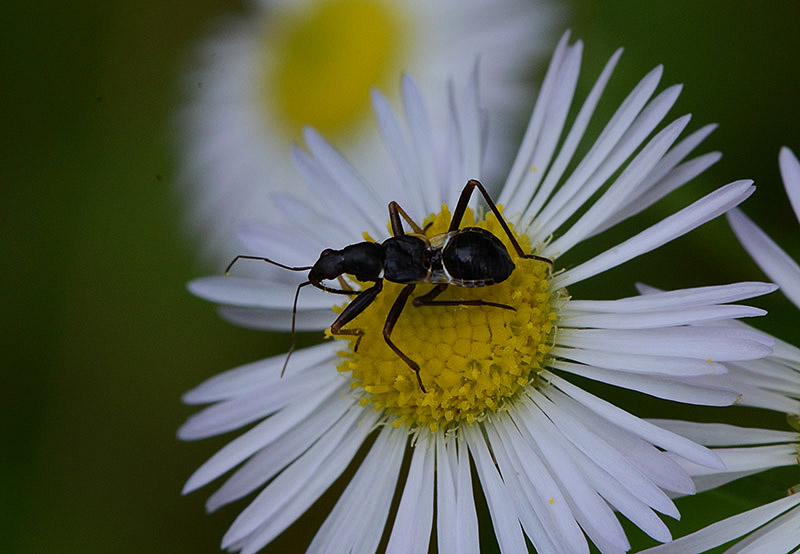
(388, 327)
(353, 309)
(461, 207)
(427, 299)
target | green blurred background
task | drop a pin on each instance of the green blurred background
(101, 337)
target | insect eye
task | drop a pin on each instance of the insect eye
(326, 252)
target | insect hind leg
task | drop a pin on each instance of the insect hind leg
(461, 208)
(427, 299)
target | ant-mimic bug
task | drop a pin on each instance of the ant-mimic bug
(468, 257)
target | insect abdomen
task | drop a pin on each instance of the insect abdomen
(474, 257)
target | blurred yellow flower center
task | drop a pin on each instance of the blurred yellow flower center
(473, 359)
(323, 60)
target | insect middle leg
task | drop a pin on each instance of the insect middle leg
(427, 299)
(461, 207)
(395, 211)
(388, 327)
(353, 309)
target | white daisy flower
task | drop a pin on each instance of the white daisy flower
(772, 383)
(554, 461)
(283, 65)
(774, 527)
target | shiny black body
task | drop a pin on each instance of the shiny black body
(468, 257)
(473, 257)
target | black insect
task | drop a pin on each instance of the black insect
(468, 257)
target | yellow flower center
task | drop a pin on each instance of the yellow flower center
(323, 61)
(473, 359)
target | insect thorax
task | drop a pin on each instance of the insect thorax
(403, 262)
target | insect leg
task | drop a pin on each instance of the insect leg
(395, 211)
(353, 309)
(427, 299)
(350, 292)
(294, 318)
(391, 319)
(461, 207)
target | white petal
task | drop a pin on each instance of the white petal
(328, 190)
(657, 386)
(666, 177)
(726, 530)
(294, 490)
(410, 196)
(466, 516)
(277, 320)
(317, 223)
(247, 444)
(704, 343)
(770, 373)
(532, 131)
(623, 500)
(753, 458)
(555, 117)
(624, 132)
(622, 188)
(653, 463)
(257, 403)
(524, 498)
(657, 319)
(674, 299)
(257, 293)
(779, 535)
(605, 456)
(278, 244)
(675, 179)
(412, 525)
(720, 434)
(472, 133)
(680, 223)
(790, 172)
(272, 459)
(242, 379)
(364, 504)
(542, 491)
(776, 263)
(676, 154)
(456, 520)
(591, 511)
(715, 480)
(501, 508)
(655, 435)
(374, 512)
(640, 363)
(420, 128)
(355, 188)
(567, 150)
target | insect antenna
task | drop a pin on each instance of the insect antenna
(243, 257)
(294, 317)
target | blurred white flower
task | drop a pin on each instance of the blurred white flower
(282, 65)
(554, 461)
